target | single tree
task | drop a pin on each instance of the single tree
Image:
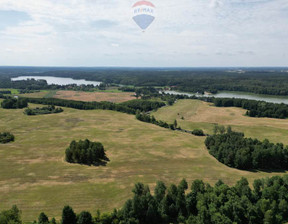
(68, 215)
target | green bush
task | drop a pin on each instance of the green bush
(6, 137)
(198, 132)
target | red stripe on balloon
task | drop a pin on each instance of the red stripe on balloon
(143, 3)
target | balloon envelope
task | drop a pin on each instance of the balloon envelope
(143, 14)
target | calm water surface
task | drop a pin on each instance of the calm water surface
(249, 96)
(58, 80)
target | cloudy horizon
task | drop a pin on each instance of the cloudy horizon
(199, 33)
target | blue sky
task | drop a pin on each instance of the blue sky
(190, 33)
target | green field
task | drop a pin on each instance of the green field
(34, 175)
(198, 114)
(13, 91)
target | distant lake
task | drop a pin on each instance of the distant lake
(240, 95)
(58, 80)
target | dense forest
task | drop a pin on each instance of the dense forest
(261, 81)
(32, 85)
(43, 110)
(13, 103)
(266, 203)
(6, 137)
(86, 152)
(234, 150)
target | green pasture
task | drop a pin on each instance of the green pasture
(35, 177)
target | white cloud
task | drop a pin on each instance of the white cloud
(99, 32)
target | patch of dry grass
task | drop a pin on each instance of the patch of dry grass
(95, 96)
(34, 175)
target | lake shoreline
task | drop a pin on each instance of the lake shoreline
(238, 95)
(51, 80)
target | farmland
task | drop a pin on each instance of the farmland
(34, 175)
(108, 95)
(95, 96)
(198, 114)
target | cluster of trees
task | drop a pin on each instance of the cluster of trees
(234, 150)
(255, 108)
(129, 107)
(5, 92)
(11, 216)
(32, 85)
(221, 204)
(127, 89)
(147, 92)
(68, 217)
(13, 103)
(143, 105)
(86, 152)
(200, 203)
(44, 110)
(151, 119)
(80, 105)
(198, 132)
(6, 137)
(23, 91)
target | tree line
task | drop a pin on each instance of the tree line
(129, 107)
(5, 92)
(13, 103)
(143, 105)
(86, 152)
(33, 85)
(6, 137)
(261, 81)
(51, 109)
(174, 126)
(201, 203)
(151, 119)
(255, 108)
(80, 105)
(234, 150)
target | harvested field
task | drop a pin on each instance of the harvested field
(95, 96)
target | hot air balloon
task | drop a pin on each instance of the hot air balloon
(143, 14)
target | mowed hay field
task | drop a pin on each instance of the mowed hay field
(34, 175)
(95, 96)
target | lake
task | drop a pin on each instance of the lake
(250, 96)
(240, 95)
(58, 80)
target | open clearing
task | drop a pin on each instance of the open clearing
(198, 114)
(95, 96)
(34, 176)
(41, 94)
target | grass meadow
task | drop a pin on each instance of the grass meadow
(35, 177)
